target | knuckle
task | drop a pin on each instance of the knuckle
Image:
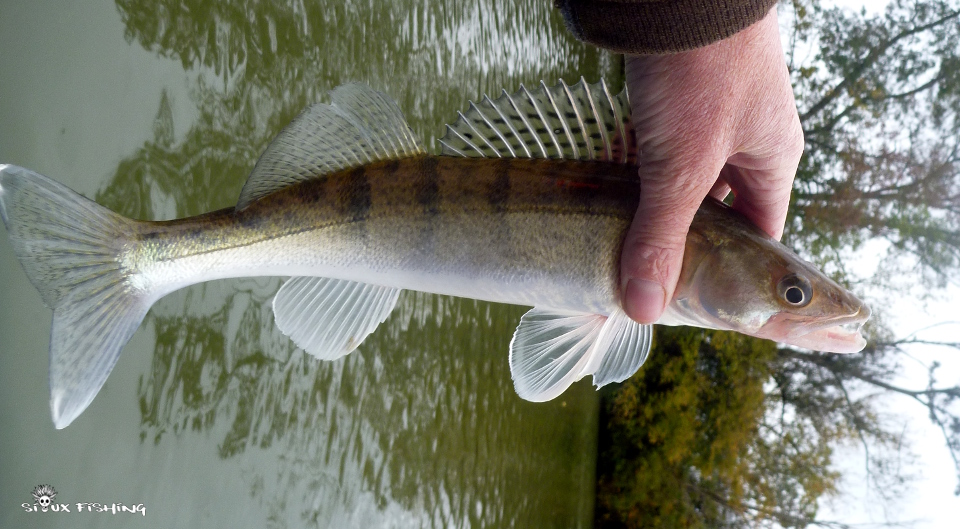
(651, 262)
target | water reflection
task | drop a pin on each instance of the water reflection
(446, 48)
(429, 56)
(423, 418)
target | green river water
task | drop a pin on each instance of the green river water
(212, 418)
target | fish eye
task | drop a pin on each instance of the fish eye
(795, 290)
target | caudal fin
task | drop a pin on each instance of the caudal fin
(73, 249)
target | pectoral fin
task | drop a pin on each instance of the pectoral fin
(329, 318)
(552, 349)
(622, 348)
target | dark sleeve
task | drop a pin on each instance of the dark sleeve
(659, 26)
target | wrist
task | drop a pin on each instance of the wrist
(657, 27)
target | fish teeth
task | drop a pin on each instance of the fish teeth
(853, 326)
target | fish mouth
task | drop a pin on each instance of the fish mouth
(837, 335)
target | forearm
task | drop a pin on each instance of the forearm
(659, 26)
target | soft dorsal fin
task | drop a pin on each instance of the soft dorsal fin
(359, 126)
(579, 122)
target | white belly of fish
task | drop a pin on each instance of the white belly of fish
(524, 259)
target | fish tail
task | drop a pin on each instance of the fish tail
(74, 252)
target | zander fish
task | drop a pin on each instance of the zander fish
(528, 204)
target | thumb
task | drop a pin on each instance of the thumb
(652, 255)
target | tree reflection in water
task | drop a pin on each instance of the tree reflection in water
(424, 415)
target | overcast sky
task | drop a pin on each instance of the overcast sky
(930, 500)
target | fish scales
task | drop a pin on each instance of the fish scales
(409, 218)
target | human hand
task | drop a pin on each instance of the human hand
(708, 121)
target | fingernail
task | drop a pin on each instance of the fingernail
(643, 300)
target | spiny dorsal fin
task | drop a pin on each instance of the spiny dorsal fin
(579, 122)
(359, 126)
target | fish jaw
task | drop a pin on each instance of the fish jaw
(838, 335)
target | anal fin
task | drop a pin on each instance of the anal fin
(329, 318)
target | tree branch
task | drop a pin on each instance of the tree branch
(868, 61)
(824, 362)
(917, 90)
(926, 397)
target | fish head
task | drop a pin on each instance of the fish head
(737, 277)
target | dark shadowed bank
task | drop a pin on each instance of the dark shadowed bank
(688, 441)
